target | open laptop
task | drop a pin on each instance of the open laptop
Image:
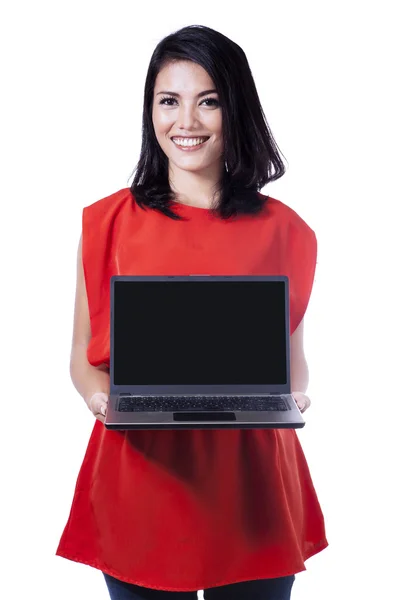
(200, 352)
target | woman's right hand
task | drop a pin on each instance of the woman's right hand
(97, 404)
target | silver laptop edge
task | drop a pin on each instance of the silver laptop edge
(291, 418)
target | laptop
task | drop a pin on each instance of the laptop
(200, 352)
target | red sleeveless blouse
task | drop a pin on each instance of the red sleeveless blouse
(192, 509)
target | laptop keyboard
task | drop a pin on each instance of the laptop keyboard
(202, 403)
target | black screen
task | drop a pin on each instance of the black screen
(199, 333)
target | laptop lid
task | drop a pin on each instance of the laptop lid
(201, 334)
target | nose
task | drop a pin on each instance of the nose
(187, 117)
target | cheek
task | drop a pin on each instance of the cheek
(162, 121)
(216, 126)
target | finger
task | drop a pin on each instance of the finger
(304, 405)
(98, 403)
(101, 408)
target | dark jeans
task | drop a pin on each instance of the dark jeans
(261, 589)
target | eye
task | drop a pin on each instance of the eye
(214, 101)
(165, 99)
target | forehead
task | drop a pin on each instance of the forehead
(183, 76)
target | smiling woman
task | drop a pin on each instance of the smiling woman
(232, 512)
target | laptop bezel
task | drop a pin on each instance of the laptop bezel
(197, 389)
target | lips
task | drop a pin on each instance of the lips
(192, 137)
(203, 139)
(190, 147)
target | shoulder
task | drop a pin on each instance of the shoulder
(110, 203)
(288, 216)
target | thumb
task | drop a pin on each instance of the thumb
(98, 402)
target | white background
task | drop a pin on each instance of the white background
(72, 77)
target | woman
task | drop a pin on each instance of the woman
(166, 513)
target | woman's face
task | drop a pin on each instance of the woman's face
(183, 113)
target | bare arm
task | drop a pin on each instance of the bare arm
(86, 378)
(299, 375)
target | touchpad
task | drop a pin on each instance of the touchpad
(204, 416)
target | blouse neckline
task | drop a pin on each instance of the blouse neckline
(205, 209)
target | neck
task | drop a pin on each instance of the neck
(195, 188)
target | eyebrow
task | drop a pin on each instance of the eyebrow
(198, 95)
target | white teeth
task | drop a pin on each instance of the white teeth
(188, 142)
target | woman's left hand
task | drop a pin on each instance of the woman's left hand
(302, 401)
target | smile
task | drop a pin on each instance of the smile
(189, 143)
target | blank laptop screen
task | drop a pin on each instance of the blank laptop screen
(199, 333)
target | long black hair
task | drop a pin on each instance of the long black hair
(250, 150)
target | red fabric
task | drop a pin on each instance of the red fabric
(192, 509)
